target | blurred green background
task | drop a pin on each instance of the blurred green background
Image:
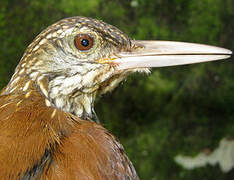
(175, 110)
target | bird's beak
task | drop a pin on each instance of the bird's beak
(146, 54)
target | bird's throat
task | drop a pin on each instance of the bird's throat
(79, 104)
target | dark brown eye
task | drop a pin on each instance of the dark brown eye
(83, 42)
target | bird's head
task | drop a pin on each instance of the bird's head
(76, 58)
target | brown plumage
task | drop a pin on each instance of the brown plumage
(47, 118)
(43, 142)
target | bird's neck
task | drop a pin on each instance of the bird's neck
(73, 92)
(65, 94)
(67, 99)
(78, 103)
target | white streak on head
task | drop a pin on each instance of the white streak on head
(59, 31)
(47, 102)
(15, 80)
(39, 79)
(43, 89)
(34, 75)
(22, 65)
(42, 86)
(54, 34)
(36, 48)
(43, 41)
(25, 88)
(67, 31)
(14, 88)
(38, 63)
(65, 27)
(49, 36)
(21, 71)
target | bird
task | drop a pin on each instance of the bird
(48, 125)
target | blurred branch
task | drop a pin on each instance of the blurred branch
(223, 155)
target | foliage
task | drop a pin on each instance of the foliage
(174, 110)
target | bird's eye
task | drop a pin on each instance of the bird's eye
(83, 42)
